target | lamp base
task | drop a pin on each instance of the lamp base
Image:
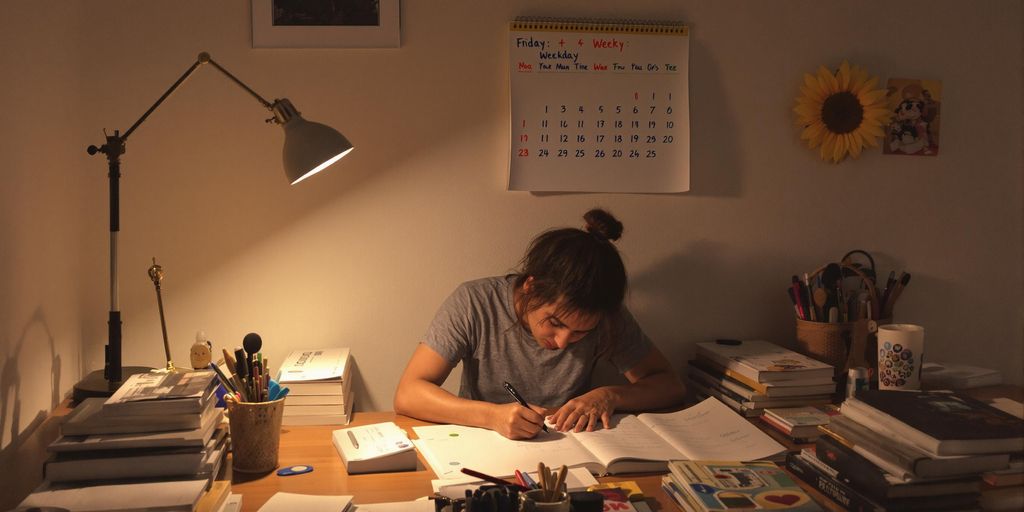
(96, 385)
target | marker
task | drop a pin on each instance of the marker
(529, 481)
(519, 398)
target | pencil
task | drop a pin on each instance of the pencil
(558, 483)
(492, 479)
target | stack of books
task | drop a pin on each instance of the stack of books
(158, 437)
(750, 376)
(912, 450)
(319, 383)
(798, 424)
(704, 486)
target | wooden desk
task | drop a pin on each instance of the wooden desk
(311, 445)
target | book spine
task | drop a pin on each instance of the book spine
(711, 361)
(853, 468)
(837, 491)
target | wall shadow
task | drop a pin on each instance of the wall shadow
(27, 446)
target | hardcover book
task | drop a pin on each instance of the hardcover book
(941, 423)
(823, 386)
(905, 460)
(805, 467)
(765, 362)
(722, 486)
(864, 475)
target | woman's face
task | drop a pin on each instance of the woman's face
(556, 330)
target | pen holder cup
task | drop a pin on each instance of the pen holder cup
(539, 501)
(255, 429)
(843, 345)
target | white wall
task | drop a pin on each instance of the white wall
(362, 255)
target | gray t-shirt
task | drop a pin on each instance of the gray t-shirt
(477, 326)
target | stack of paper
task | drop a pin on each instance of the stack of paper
(320, 387)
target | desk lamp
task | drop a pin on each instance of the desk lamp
(308, 149)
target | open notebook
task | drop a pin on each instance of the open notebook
(646, 442)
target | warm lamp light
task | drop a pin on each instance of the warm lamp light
(308, 149)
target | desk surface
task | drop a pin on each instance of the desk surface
(311, 445)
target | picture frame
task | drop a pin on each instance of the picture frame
(326, 24)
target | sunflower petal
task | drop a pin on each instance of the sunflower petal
(843, 76)
(870, 97)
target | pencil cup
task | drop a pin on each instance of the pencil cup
(255, 429)
(900, 356)
(538, 500)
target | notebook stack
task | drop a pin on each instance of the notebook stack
(706, 486)
(750, 376)
(913, 450)
(319, 383)
(159, 437)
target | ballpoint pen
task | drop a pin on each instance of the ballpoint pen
(519, 398)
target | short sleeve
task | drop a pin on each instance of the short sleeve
(629, 342)
(451, 332)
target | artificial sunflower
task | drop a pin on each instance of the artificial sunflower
(842, 112)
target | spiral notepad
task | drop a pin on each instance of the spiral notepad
(599, 105)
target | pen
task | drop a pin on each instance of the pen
(352, 437)
(529, 481)
(519, 398)
(224, 379)
(521, 480)
(492, 479)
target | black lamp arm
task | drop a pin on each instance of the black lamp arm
(203, 58)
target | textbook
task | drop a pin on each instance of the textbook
(182, 438)
(941, 423)
(905, 460)
(824, 479)
(765, 362)
(377, 448)
(722, 486)
(91, 417)
(137, 463)
(752, 390)
(640, 443)
(168, 495)
(325, 371)
(161, 392)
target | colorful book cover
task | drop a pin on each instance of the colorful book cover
(719, 486)
(915, 125)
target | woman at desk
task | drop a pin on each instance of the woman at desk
(541, 329)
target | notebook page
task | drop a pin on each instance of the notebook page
(627, 438)
(711, 430)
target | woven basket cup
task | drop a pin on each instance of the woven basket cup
(255, 435)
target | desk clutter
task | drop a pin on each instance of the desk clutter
(917, 450)
(157, 443)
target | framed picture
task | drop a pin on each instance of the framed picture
(325, 24)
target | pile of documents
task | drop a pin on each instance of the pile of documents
(158, 440)
(319, 383)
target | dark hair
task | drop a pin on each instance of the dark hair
(581, 268)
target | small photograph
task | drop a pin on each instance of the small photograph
(915, 125)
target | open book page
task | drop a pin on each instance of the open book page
(449, 448)
(711, 430)
(626, 438)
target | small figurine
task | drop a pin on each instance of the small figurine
(201, 352)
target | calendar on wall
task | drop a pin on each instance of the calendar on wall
(599, 106)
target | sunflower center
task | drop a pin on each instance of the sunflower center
(842, 112)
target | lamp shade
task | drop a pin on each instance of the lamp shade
(309, 147)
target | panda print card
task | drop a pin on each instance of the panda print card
(916, 121)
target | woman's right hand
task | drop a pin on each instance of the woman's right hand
(515, 421)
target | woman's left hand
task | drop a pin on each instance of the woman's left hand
(583, 412)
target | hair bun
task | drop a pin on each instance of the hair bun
(603, 224)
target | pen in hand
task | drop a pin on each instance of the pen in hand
(519, 398)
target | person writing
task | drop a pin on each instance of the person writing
(542, 329)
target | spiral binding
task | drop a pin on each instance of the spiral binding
(627, 26)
